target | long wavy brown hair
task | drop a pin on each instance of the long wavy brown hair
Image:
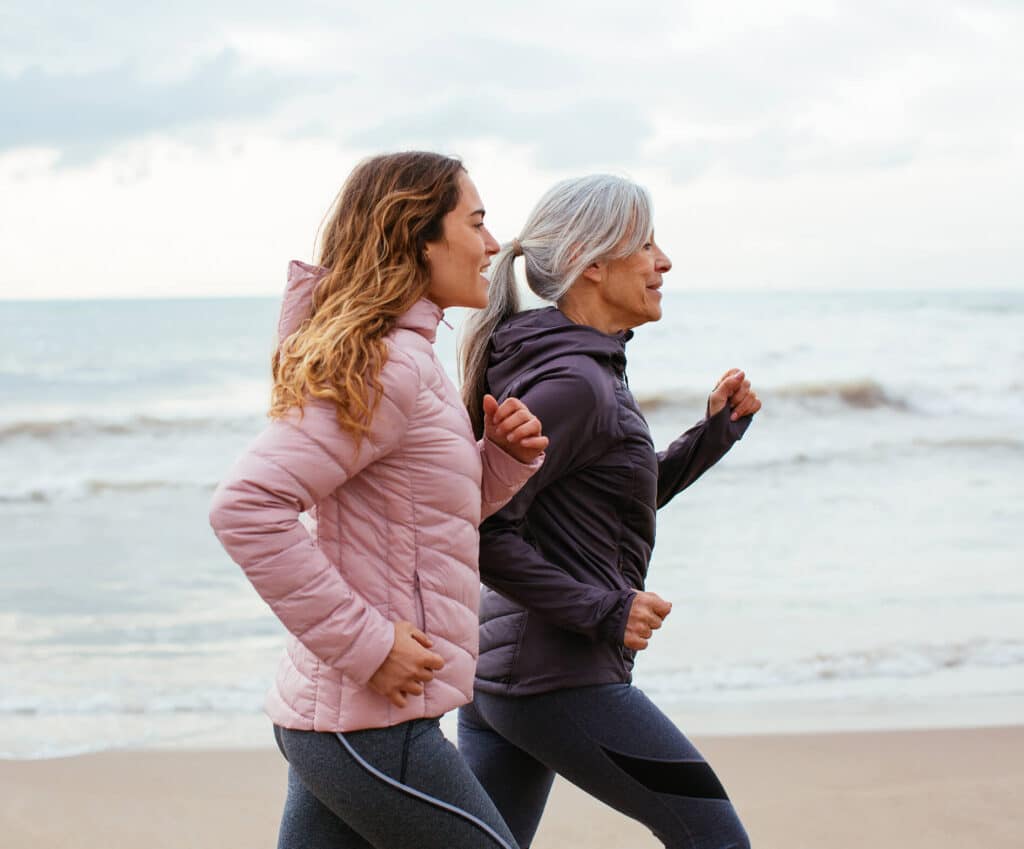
(372, 246)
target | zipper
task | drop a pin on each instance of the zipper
(421, 615)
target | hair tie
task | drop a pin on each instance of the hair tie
(517, 248)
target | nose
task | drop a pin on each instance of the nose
(491, 246)
(662, 263)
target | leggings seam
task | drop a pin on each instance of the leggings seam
(419, 794)
(405, 752)
(657, 797)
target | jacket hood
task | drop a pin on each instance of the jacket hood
(532, 339)
(297, 304)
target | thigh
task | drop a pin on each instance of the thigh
(309, 824)
(516, 781)
(438, 770)
(614, 743)
(404, 787)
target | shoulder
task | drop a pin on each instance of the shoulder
(576, 396)
(402, 375)
(577, 378)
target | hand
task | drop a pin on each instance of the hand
(734, 388)
(646, 613)
(408, 666)
(513, 428)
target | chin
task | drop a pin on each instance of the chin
(653, 312)
(473, 303)
(483, 296)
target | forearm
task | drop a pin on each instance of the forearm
(502, 477)
(292, 465)
(513, 567)
(696, 451)
(306, 592)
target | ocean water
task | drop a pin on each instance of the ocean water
(857, 560)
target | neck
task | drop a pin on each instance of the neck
(579, 311)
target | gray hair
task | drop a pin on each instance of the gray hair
(576, 223)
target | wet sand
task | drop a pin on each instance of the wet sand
(935, 789)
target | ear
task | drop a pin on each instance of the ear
(595, 271)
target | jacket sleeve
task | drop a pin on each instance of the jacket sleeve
(503, 476)
(696, 451)
(510, 564)
(294, 464)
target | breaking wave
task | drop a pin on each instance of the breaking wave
(887, 662)
(857, 394)
(55, 429)
(90, 487)
(850, 394)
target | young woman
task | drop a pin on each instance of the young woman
(370, 438)
(565, 610)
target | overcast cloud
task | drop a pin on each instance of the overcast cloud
(84, 115)
(241, 119)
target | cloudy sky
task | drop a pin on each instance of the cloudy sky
(193, 149)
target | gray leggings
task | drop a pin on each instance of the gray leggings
(612, 742)
(404, 787)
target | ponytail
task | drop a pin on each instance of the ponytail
(475, 348)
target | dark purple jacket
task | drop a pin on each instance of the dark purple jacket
(562, 561)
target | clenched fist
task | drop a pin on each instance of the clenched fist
(646, 613)
(511, 426)
(733, 389)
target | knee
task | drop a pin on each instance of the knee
(725, 831)
(736, 838)
(727, 834)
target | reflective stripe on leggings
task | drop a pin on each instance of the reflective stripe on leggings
(423, 797)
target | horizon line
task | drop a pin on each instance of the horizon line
(995, 289)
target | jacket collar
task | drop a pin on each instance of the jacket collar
(536, 339)
(423, 316)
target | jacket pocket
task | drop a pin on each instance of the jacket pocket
(417, 593)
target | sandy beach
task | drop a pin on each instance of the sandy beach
(935, 789)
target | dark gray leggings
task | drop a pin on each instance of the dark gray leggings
(404, 787)
(611, 741)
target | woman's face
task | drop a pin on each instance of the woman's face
(629, 289)
(458, 260)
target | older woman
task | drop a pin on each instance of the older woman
(564, 610)
(369, 436)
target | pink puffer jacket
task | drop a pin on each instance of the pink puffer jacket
(395, 532)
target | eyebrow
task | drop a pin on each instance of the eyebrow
(481, 212)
